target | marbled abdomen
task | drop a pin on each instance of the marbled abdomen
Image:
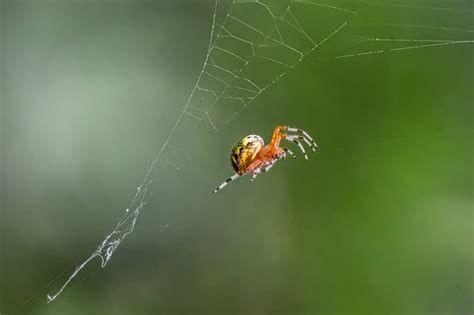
(244, 152)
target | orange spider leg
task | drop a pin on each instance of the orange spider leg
(257, 163)
(277, 136)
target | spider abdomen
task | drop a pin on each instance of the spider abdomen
(244, 152)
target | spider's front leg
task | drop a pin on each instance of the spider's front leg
(295, 140)
(288, 151)
(295, 135)
(303, 135)
(277, 136)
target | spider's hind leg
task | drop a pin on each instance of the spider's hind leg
(227, 181)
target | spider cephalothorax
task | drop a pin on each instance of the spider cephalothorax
(251, 156)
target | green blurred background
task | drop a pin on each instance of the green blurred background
(380, 222)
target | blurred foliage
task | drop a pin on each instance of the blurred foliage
(380, 222)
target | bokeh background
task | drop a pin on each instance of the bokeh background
(379, 222)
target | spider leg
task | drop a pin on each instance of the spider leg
(277, 136)
(288, 151)
(301, 138)
(295, 140)
(227, 181)
(312, 145)
(270, 165)
(262, 169)
(307, 138)
(254, 174)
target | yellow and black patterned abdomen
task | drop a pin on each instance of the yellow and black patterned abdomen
(244, 152)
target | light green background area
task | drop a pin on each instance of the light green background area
(379, 222)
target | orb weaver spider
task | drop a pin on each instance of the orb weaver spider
(251, 156)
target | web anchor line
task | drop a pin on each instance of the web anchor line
(112, 241)
(429, 44)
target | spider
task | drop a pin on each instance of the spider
(251, 156)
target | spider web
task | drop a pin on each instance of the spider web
(245, 58)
